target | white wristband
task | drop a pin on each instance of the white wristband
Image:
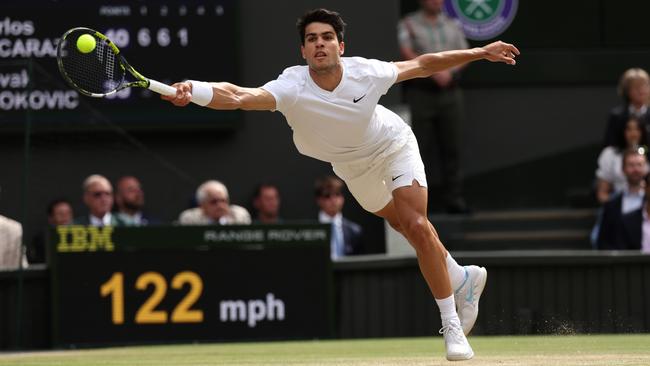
(201, 92)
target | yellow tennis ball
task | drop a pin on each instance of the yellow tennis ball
(86, 43)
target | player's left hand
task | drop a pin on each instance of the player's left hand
(183, 94)
(501, 52)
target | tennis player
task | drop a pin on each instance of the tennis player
(332, 107)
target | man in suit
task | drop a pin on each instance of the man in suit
(613, 234)
(635, 225)
(98, 197)
(346, 235)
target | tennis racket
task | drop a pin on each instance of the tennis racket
(102, 71)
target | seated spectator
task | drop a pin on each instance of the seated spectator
(634, 89)
(635, 168)
(98, 197)
(11, 236)
(129, 199)
(11, 248)
(635, 228)
(266, 202)
(346, 235)
(214, 208)
(609, 175)
(59, 212)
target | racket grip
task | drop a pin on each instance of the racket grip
(161, 88)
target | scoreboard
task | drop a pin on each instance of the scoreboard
(166, 40)
(120, 285)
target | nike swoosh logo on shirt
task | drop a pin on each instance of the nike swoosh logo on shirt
(354, 100)
(393, 178)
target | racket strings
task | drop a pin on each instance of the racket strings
(95, 72)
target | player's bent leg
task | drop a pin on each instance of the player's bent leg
(467, 288)
(410, 208)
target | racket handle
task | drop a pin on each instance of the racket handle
(161, 88)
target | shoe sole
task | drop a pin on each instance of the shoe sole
(481, 287)
(461, 357)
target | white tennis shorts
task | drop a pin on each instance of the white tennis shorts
(372, 180)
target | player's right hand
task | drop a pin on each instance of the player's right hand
(183, 94)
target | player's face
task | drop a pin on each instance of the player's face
(322, 49)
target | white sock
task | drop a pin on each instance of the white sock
(456, 273)
(447, 308)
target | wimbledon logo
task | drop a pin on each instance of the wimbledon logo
(482, 19)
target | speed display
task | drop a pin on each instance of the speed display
(169, 41)
(120, 285)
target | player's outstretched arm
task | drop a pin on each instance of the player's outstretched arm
(224, 96)
(427, 64)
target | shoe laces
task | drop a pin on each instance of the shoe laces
(453, 331)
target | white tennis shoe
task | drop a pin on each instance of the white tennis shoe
(467, 296)
(456, 344)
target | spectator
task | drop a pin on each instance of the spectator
(436, 103)
(11, 236)
(634, 89)
(11, 249)
(346, 235)
(266, 202)
(609, 175)
(129, 199)
(59, 212)
(214, 208)
(611, 233)
(635, 227)
(98, 197)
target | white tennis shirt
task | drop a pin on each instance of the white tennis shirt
(345, 124)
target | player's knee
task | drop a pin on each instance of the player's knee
(418, 230)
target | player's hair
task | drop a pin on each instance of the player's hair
(322, 16)
(202, 191)
(628, 77)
